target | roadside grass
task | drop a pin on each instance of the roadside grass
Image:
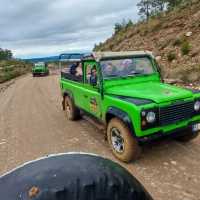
(12, 69)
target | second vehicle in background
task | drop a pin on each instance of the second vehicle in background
(40, 69)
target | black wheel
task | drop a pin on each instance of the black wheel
(72, 177)
(124, 146)
(33, 75)
(71, 111)
(187, 137)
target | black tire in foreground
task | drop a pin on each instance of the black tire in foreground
(124, 146)
(71, 111)
(71, 177)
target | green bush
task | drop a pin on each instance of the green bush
(13, 68)
(177, 42)
(171, 56)
(123, 26)
(185, 48)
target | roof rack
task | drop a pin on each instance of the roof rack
(102, 55)
(70, 57)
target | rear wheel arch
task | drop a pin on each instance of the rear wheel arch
(71, 111)
(67, 93)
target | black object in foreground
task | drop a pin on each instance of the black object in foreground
(71, 177)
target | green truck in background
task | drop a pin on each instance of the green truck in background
(40, 69)
(124, 92)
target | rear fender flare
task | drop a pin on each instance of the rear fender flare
(66, 93)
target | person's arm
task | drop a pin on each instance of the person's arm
(79, 71)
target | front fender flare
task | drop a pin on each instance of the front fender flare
(122, 115)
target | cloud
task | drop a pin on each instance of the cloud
(40, 28)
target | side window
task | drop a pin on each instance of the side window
(73, 72)
(91, 74)
(88, 69)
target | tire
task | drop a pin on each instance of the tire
(33, 75)
(130, 149)
(71, 111)
(187, 137)
(72, 177)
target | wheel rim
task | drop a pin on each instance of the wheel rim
(68, 109)
(117, 140)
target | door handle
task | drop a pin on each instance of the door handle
(86, 96)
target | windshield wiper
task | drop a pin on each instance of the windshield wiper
(134, 73)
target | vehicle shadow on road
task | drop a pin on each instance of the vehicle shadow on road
(168, 150)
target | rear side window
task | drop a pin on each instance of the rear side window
(73, 72)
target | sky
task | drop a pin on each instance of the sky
(37, 28)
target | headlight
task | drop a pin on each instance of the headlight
(151, 117)
(197, 106)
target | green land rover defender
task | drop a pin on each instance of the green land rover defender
(40, 68)
(124, 91)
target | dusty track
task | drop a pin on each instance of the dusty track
(32, 124)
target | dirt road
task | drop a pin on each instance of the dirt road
(32, 124)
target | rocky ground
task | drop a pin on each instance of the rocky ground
(32, 124)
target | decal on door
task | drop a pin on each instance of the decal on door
(93, 105)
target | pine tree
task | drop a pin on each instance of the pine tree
(159, 5)
(118, 27)
(145, 7)
(5, 54)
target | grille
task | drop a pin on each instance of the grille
(38, 70)
(176, 112)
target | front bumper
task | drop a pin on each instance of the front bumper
(39, 73)
(170, 134)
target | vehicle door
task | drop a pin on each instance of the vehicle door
(92, 96)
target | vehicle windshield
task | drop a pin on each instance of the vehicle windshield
(41, 64)
(125, 67)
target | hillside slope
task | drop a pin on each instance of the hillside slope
(174, 37)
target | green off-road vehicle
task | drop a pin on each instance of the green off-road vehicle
(40, 69)
(125, 92)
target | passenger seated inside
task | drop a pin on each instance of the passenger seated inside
(109, 69)
(76, 71)
(93, 77)
(79, 70)
(73, 68)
